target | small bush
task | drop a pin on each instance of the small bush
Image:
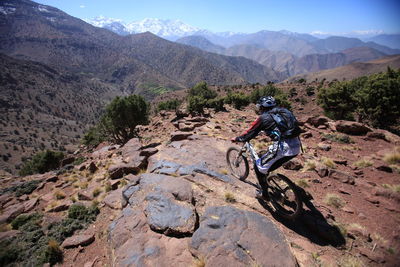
(122, 116)
(96, 192)
(79, 161)
(26, 188)
(271, 90)
(42, 162)
(216, 103)
(201, 90)
(82, 213)
(238, 100)
(52, 254)
(172, 104)
(26, 219)
(59, 195)
(339, 138)
(334, 201)
(310, 90)
(94, 136)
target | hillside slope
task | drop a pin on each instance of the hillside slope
(353, 70)
(44, 108)
(173, 199)
(48, 35)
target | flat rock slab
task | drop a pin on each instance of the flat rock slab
(231, 237)
(114, 199)
(135, 244)
(78, 240)
(168, 216)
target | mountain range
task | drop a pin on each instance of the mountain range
(175, 29)
(289, 53)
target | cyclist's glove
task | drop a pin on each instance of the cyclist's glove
(239, 139)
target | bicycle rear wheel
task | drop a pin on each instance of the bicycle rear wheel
(284, 196)
(238, 164)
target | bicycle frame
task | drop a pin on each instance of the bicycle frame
(253, 154)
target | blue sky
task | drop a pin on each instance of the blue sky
(305, 16)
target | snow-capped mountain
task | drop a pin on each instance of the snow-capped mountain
(164, 28)
(169, 29)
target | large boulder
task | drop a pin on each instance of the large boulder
(352, 127)
(231, 237)
(317, 121)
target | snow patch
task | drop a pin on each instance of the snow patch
(52, 19)
(7, 10)
(43, 9)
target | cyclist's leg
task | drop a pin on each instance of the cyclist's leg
(280, 162)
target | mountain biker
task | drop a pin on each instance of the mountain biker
(286, 143)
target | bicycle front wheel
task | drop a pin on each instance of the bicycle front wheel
(284, 196)
(238, 164)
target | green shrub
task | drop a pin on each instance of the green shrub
(94, 136)
(216, 103)
(52, 253)
(270, 90)
(42, 162)
(27, 188)
(200, 97)
(310, 91)
(196, 104)
(339, 138)
(122, 116)
(82, 213)
(79, 161)
(374, 100)
(238, 100)
(25, 219)
(201, 89)
(378, 100)
(172, 104)
(338, 100)
(37, 245)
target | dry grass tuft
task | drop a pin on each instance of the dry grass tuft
(199, 262)
(223, 171)
(302, 183)
(395, 187)
(309, 165)
(363, 163)
(328, 162)
(96, 192)
(229, 197)
(393, 157)
(59, 195)
(334, 201)
(350, 261)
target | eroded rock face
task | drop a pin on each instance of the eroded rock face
(231, 237)
(159, 223)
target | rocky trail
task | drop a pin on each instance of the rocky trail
(169, 199)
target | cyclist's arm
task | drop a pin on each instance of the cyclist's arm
(252, 132)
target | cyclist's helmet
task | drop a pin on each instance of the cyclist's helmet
(266, 102)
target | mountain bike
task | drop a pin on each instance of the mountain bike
(283, 194)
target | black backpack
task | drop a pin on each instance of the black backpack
(286, 122)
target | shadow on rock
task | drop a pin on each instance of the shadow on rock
(311, 224)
